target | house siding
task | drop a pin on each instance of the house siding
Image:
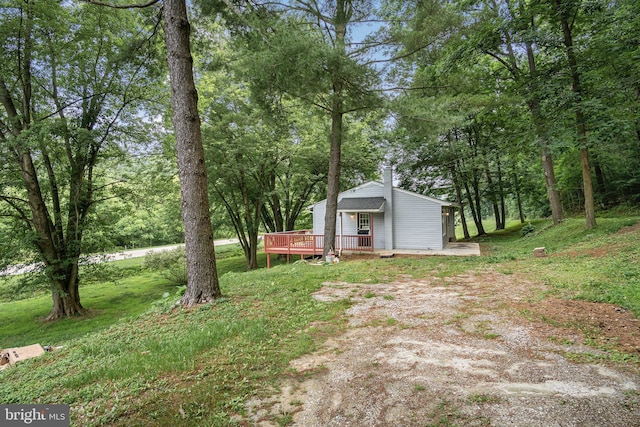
(418, 223)
(370, 189)
(319, 210)
(378, 231)
(417, 220)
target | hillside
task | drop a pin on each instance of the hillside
(410, 341)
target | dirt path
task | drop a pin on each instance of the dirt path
(469, 351)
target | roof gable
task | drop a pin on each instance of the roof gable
(363, 187)
(423, 197)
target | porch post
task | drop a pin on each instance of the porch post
(371, 221)
(340, 252)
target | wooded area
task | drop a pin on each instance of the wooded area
(512, 109)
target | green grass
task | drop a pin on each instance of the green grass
(220, 353)
(135, 361)
(108, 302)
(598, 265)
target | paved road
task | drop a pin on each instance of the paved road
(137, 253)
(133, 253)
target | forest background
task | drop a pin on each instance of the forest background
(513, 109)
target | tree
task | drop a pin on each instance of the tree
(267, 155)
(615, 115)
(69, 89)
(145, 211)
(308, 56)
(525, 74)
(244, 151)
(505, 31)
(566, 12)
(246, 140)
(202, 276)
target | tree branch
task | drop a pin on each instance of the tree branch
(13, 202)
(122, 6)
(9, 106)
(501, 60)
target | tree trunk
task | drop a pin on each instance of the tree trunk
(65, 293)
(503, 207)
(576, 86)
(547, 161)
(267, 219)
(589, 204)
(601, 183)
(64, 280)
(492, 197)
(456, 184)
(271, 211)
(478, 202)
(202, 276)
(552, 191)
(252, 221)
(547, 165)
(341, 18)
(475, 213)
(516, 184)
(252, 262)
(333, 178)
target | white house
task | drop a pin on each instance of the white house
(389, 217)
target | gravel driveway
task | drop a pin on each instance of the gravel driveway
(468, 350)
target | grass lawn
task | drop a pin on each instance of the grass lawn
(108, 302)
(135, 361)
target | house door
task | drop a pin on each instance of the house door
(364, 229)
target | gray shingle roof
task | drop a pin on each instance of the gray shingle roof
(361, 204)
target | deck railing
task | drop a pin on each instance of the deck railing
(304, 242)
(293, 242)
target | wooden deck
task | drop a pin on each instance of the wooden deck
(303, 242)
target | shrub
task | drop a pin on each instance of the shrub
(172, 265)
(527, 229)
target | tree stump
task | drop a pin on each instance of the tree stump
(540, 252)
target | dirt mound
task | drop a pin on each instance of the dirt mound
(472, 351)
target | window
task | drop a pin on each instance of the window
(364, 230)
(363, 221)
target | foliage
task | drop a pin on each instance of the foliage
(527, 229)
(300, 52)
(145, 212)
(171, 265)
(485, 96)
(72, 80)
(267, 153)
